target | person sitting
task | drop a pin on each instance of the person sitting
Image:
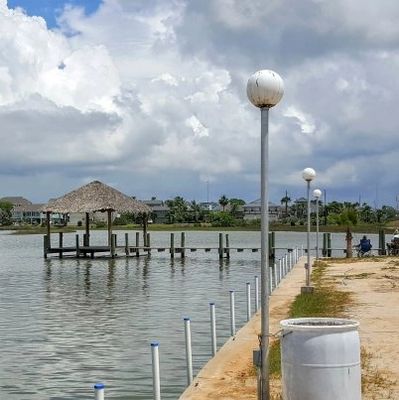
(364, 245)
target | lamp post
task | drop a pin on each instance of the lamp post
(317, 195)
(308, 175)
(265, 89)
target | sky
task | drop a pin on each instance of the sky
(149, 96)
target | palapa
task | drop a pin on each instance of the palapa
(95, 196)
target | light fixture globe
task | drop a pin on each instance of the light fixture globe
(308, 174)
(265, 88)
(317, 193)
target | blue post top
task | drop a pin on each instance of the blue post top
(154, 344)
(248, 283)
(98, 386)
(231, 291)
(211, 304)
(186, 318)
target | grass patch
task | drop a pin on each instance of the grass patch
(363, 275)
(357, 260)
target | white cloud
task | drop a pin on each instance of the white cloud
(159, 86)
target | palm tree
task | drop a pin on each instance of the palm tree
(285, 200)
(223, 201)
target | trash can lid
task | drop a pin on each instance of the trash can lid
(330, 324)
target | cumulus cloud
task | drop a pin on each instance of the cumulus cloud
(151, 96)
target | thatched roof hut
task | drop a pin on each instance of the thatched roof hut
(95, 196)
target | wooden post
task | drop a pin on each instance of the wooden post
(172, 245)
(126, 243)
(227, 246)
(271, 245)
(348, 239)
(148, 243)
(77, 246)
(328, 244)
(87, 226)
(113, 245)
(45, 245)
(137, 244)
(183, 244)
(109, 212)
(381, 242)
(324, 250)
(221, 250)
(60, 244)
(48, 229)
(145, 226)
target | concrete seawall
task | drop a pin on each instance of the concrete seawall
(228, 375)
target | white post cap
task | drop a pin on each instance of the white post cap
(308, 174)
(265, 88)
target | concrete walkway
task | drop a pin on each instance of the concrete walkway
(229, 375)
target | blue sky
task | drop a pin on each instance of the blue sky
(50, 9)
(149, 96)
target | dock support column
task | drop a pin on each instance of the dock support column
(113, 245)
(381, 242)
(61, 241)
(77, 246)
(227, 246)
(328, 244)
(148, 244)
(182, 245)
(137, 244)
(172, 245)
(86, 241)
(221, 250)
(126, 244)
(45, 246)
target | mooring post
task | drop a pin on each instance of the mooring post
(137, 244)
(248, 291)
(127, 243)
(213, 328)
(329, 245)
(172, 245)
(271, 288)
(232, 314)
(45, 246)
(189, 354)
(227, 246)
(348, 239)
(148, 244)
(275, 274)
(221, 250)
(381, 242)
(256, 293)
(77, 245)
(99, 391)
(156, 379)
(113, 245)
(60, 243)
(324, 249)
(183, 245)
(280, 273)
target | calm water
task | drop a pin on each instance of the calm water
(66, 324)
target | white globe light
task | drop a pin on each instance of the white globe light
(317, 193)
(265, 88)
(308, 174)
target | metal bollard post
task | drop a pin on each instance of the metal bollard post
(213, 328)
(99, 391)
(280, 274)
(248, 301)
(275, 275)
(156, 381)
(270, 280)
(290, 261)
(256, 293)
(232, 314)
(189, 354)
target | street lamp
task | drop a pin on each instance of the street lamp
(265, 89)
(308, 174)
(317, 195)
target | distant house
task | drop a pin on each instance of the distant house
(252, 211)
(159, 210)
(210, 206)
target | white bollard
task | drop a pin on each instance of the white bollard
(275, 275)
(213, 328)
(270, 281)
(189, 353)
(232, 314)
(280, 270)
(248, 301)
(99, 391)
(256, 293)
(156, 380)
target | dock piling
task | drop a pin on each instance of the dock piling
(172, 245)
(189, 354)
(227, 246)
(221, 250)
(248, 291)
(213, 328)
(183, 245)
(77, 246)
(113, 245)
(99, 391)
(156, 380)
(256, 293)
(126, 244)
(232, 314)
(137, 244)
(148, 243)
(60, 243)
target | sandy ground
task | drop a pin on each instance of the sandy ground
(375, 287)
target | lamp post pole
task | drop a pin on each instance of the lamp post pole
(264, 90)
(308, 174)
(317, 194)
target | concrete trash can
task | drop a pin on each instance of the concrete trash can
(320, 359)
